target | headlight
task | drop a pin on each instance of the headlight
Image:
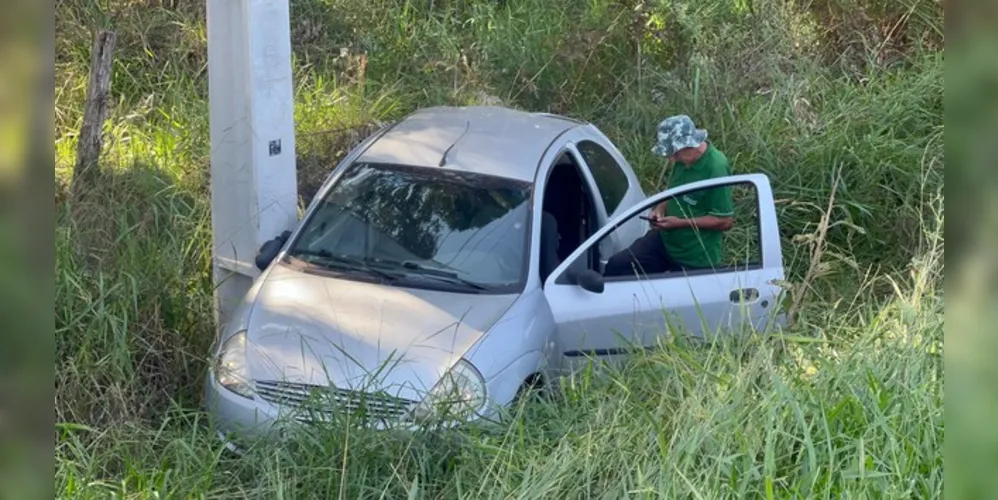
(231, 370)
(459, 395)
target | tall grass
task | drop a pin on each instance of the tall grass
(803, 93)
(854, 410)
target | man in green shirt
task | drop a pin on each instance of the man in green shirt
(686, 231)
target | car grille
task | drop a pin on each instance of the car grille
(377, 407)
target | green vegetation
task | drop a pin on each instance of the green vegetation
(807, 93)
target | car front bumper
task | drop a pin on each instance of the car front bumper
(237, 418)
(240, 420)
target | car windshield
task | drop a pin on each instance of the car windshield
(422, 226)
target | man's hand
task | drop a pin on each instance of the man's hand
(658, 211)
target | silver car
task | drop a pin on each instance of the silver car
(454, 259)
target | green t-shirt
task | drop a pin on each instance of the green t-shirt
(694, 247)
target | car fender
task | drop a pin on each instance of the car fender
(241, 317)
(504, 386)
(526, 327)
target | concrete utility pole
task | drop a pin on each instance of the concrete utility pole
(254, 192)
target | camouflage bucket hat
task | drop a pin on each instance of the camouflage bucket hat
(675, 133)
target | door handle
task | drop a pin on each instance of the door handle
(744, 295)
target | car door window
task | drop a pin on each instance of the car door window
(608, 174)
(686, 251)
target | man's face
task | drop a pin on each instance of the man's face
(686, 156)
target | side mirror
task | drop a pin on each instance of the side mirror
(590, 281)
(269, 250)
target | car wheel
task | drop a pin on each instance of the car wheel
(532, 389)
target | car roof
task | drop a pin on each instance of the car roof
(482, 139)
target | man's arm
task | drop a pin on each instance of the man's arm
(708, 222)
(722, 210)
(718, 218)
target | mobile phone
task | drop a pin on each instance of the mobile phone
(645, 217)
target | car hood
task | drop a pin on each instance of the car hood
(319, 330)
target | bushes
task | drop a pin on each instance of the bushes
(133, 300)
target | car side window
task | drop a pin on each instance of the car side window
(658, 254)
(609, 175)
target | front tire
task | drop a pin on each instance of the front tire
(532, 389)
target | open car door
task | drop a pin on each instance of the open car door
(609, 316)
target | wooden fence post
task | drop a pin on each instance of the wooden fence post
(88, 148)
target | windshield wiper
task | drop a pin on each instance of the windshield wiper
(431, 272)
(330, 260)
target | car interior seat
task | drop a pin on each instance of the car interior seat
(549, 244)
